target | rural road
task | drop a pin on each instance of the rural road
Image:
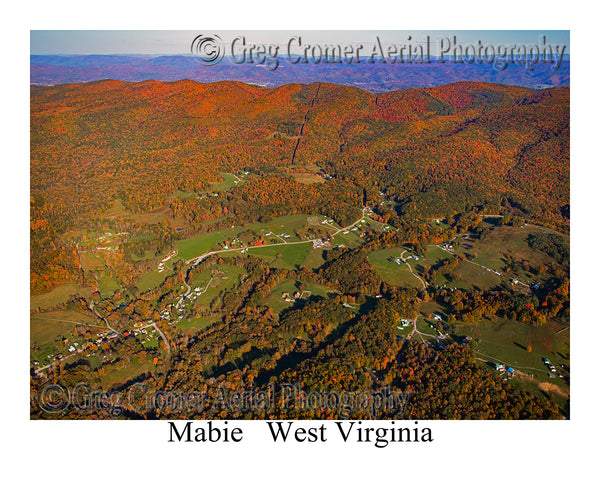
(197, 260)
(91, 307)
(411, 270)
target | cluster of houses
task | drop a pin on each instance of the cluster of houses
(80, 348)
(399, 261)
(109, 235)
(502, 368)
(107, 238)
(93, 344)
(161, 265)
(552, 373)
(296, 296)
(448, 247)
(109, 249)
(236, 242)
(321, 243)
(227, 244)
(149, 336)
(76, 347)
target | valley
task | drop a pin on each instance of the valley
(188, 235)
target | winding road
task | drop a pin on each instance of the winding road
(411, 270)
(196, 260)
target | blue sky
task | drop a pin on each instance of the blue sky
(177, 42)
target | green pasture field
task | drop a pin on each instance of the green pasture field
(58, 295)
(392, 273)
(291, 286)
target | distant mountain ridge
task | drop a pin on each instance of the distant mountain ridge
(377, 78)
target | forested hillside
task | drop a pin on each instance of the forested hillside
(434, 152)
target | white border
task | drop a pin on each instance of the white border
(465, 449)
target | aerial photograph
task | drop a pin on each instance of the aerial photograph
(299, 225)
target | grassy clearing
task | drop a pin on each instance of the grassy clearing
(430, 308)
(290, 286)
(57, 296)
(228, 280)
(314, 259)
(228, 181)
(201, 278)
(46, 326)
(195, 246)
(117, 210)
(90, 261)
(308, 178)
(507, 340)
(284, 256)
(426, 326)
(123, 373)
(49, 328)
(152, 343)
(505, 241)
(434, 255)
(431, 257)
(161, 214)
(469, 275)
(374, 224)
(181, 194)
(148, 255)
(155, 216)
(350, 239)
(403, 331)
(286, 224)
(43, 331)
(392, 273)
(107, 285)
(152, 279)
